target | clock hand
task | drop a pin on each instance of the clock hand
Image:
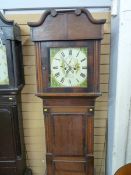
(65, 68)
(69, 69)
(70, 60)
(66, 62)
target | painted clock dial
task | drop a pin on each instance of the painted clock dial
(68, 67)
(4, 79)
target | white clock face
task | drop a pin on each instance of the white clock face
(4, 79)
(68, 67)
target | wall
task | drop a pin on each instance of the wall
(119, 140)
(32, 106)
(112, 88)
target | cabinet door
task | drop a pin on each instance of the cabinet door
(69, 138)
(7, 151)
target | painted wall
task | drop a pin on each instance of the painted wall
(119, 142)
(112, 90)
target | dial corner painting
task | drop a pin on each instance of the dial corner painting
(4, 79)
(68, 67)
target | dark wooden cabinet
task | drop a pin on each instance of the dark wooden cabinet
(67, 62)
(12, 149)
(12, 158)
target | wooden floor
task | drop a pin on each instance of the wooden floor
(32, 106)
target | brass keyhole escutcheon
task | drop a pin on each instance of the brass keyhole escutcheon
(90, 109)
(45, 109)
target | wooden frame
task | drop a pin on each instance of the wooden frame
(44, 67)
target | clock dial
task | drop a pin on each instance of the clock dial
(68, 67)
(4, 79)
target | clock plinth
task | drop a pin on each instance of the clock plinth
(67, 61)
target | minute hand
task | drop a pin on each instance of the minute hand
(69, 69)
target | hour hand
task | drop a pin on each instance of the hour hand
(65, 68)
(69, 69)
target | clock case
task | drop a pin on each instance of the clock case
(10, 35)
(68, 112)
(12, 148)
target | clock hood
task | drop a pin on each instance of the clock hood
(73, 25)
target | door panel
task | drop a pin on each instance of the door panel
(69, 138)
(67, 168)
(6, 133)
(68, 134)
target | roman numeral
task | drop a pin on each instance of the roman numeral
(62, 80)
(82, 75)
(57, 59)
(62, 53)
(57, 74)
(84, 67)
(70, 52)
(77, 80)
(83, 59)
(55, 67)
(77, 54)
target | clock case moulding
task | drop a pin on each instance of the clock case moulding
(72, 28)
(12, 148)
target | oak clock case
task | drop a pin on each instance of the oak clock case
(67, 62)
(12, 151)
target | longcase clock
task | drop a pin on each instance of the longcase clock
(12, 152)
(67, 61)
